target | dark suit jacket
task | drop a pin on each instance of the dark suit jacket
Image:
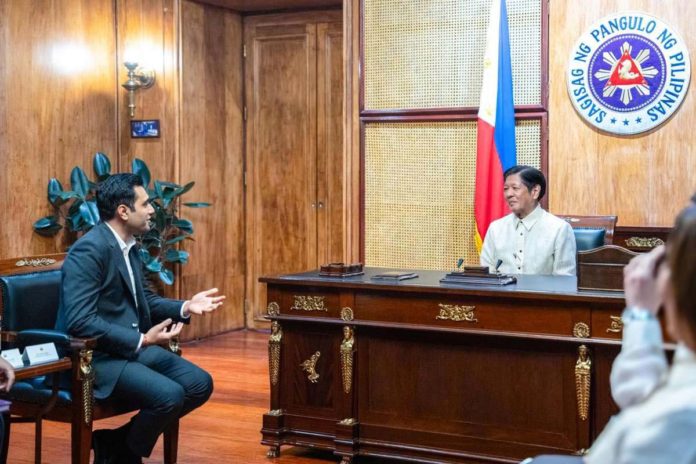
(97, 301)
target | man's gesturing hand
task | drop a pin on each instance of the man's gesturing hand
(203, 302)
(161, 333)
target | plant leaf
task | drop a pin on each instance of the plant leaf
(184, 225)
(68, 194)
(79, 182)
(166, 276)
(47, 226)
(152, 263)
(102, 166)
(198, 204)
(176, 256)
(176, 240)
(140, 168)
(75, 221)
(187, 187)
(54, 191)
(90, 213)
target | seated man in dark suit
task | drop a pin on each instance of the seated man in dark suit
(105, 295)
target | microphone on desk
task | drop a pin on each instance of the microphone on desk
(497, 265)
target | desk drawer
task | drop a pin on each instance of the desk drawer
(472, 313)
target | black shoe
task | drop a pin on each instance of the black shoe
(103, 444)
(128, 457)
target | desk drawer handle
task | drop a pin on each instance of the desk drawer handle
(457, 313)
(616, 325)
(309, 303)
(583, 373)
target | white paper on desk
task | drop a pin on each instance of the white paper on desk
(14, 357)
(40, 354)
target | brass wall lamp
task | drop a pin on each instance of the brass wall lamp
(138, 78)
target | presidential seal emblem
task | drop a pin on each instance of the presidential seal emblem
(628, 73)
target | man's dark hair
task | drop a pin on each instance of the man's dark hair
(530, 177)
(115, 190)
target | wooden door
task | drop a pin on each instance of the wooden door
(329, 142)
(288, 106)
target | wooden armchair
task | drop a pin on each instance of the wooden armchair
(29, 307)
(591, 231)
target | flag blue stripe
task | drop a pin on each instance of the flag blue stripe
(504, 134)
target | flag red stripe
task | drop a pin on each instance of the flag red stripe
(490, 203)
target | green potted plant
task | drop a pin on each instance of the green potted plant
(76, 211)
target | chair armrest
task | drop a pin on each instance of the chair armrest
(36, 336)
(62, 340)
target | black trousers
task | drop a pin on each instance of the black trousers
(165, 387)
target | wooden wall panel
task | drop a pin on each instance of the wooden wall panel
(147, 34)
(211, 154)
(330, 142)
(57, 108)
(280, 78)
(61, 69)
(644, 180)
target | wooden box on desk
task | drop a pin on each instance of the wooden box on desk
(602, 268)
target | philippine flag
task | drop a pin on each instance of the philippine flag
(495, 147)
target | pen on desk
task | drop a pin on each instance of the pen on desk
(497, 266)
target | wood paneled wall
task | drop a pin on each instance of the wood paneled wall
(644, 180)
(57, 106)
(211, 154)
(61, 66)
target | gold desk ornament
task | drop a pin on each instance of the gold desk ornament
(274, 352)
(457, 313)
(275, 412)
(583, 373)
(616, 325)
(273, 309)
(310, 365)
(87, 376)
(35, 262)
(348, 421)
(644, 242)
(581, 330)
(346, 314)
(347, 358)
(309, 303)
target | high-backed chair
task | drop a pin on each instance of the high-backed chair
(29, 307)
(591, 231)
(602, 268)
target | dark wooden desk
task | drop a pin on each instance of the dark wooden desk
(436, 373)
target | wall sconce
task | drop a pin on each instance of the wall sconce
(138, 78)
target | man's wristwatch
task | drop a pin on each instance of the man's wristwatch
(634, 313)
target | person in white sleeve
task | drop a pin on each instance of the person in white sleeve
(657, 422)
